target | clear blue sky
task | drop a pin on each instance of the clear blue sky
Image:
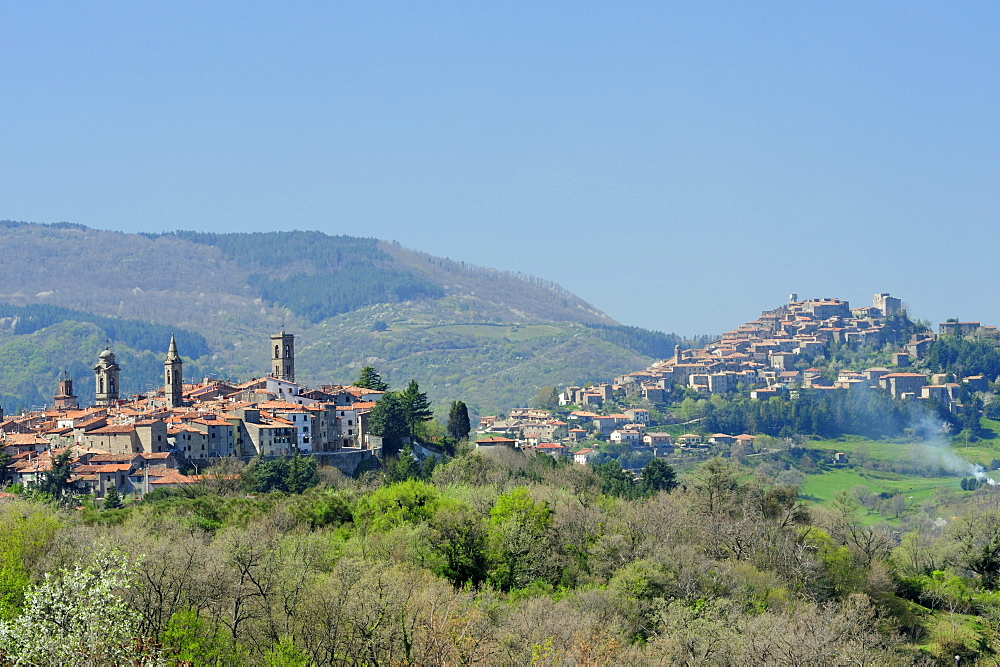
(680, 165)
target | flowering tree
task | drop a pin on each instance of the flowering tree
(77, 617)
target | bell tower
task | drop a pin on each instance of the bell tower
(173, 376)
(106, 378)
(283, 356)
(65, 400)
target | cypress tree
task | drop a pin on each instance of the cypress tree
(458, 421)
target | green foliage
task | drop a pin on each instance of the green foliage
(416, 406)
(5, 460)
(286, 654)
(389, 419)
(459, 537)
(345, 273)
(403, 467)
(974, 541)
(658, 476)
(547, 398)
(458, 421)
(519, 541)
(411, 501)
(644, 341)
(317, 298)
(327, 507)
(291, 474)
(370, 379)
(136, 334)
(113, 499)
(964, 357)
(615, 481)
(77, 617)
(55, 482)
(190, 638)
(27, 529)
(824, 413)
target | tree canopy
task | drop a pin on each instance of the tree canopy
(388, 419)
(458, 421)
(369, 378)
(416, 406)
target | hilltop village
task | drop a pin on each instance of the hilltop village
(142, 442)
(782, 352)
(139, 443)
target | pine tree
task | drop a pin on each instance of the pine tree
(113, 499)
(658, 476)
(458, 421)
(55, 481)
(416, 406)
(388, 419)
(370, 379)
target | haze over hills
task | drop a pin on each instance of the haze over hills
(482, 335)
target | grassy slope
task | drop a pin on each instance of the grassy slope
(491, 367)
(823, 486)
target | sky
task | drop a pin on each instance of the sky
(681, 166)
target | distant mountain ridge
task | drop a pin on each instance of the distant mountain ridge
(227, 292)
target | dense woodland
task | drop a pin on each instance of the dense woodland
(829, 414)
(493, 559)
(136, 334)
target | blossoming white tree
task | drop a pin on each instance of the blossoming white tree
(76, 617)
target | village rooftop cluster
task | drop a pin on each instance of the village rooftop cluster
(139, 443)
(763, 358)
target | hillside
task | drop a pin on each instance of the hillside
(483, 335)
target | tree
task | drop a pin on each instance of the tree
(77, 618)
(388, 419)
(658, 476)
(403, 467)
(458, 421)
(292, 474)
(547, 398)
(5, 460)
(460, 538)
(520, 540)
(113, 499)
(614, 480)
(416, 406)
(370, 379)
(301, 474)
(55, 481)
(974, 541)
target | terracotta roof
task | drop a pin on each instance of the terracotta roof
(113, 429)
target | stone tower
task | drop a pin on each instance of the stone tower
(173, 376)
(106, 376)
(283, 356)
(65, 400)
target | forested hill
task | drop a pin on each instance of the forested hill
(350, 301)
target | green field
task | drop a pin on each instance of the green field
(982, 451)
(820, 488)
